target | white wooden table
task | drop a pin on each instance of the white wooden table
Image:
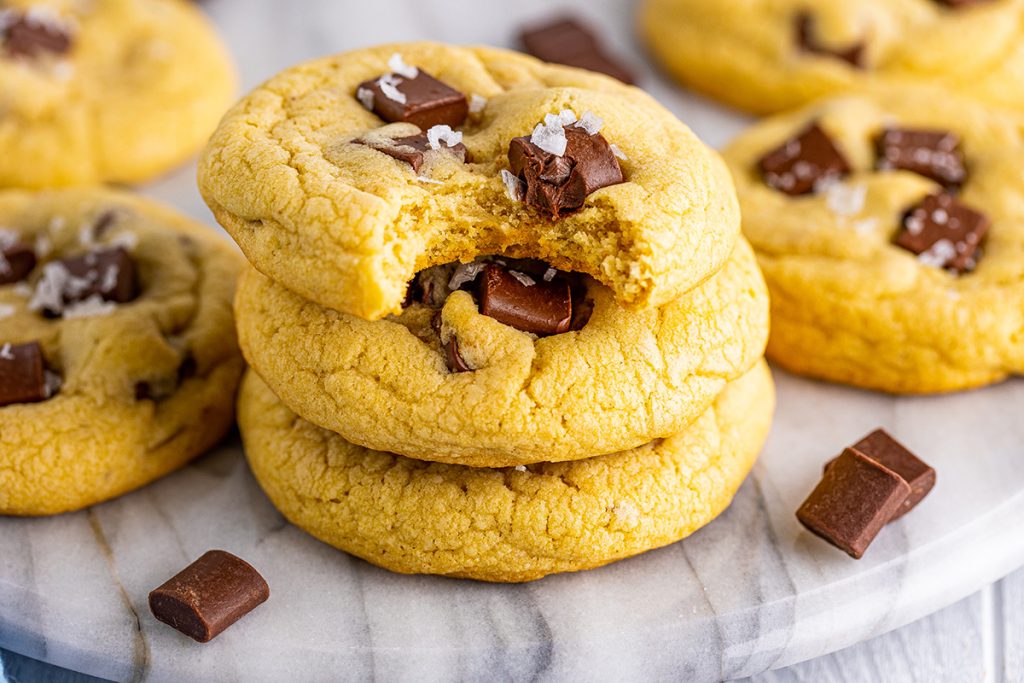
(977, 639)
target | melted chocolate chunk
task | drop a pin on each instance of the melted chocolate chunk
(209, 595)
(414, 149)
(803, 163)
(808, 42)
(23, 35)
(559, 185)
(22, 374)
(567, 41)
(456, 363)
(542, 308)
(16, 262)
(944, 233)
(934, 154)
(422, 100)
(856, 497)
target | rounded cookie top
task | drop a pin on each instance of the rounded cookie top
(512, 524)
(772, 55)
(329, 190)
(118, 358)
(106, 90)
(891, 235)
(461, 382)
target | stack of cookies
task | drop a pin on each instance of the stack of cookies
(500, 318)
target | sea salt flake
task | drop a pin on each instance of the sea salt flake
(7, 238)
(865, 226)
(389, 86)
(92, 307)
(520, 468)
(438, 134)
(618, 152)
(43, 245)
(846, 200)
(938, 255)
(590, 122)
(398, 66)
(550, 138)
(125, 240)
(6, 311)
(524, 279)
(550, 274)
(53, 383)
(477, 103)
(6, 353)
(465, 273)
(365, 97)
(513, 185)
(425, 179)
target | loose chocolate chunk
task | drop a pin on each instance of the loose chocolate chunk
(26, 35)
(881, 447)
(209, 595)
(944, 233)
(16, 262)
(958, 4)
(559, 185)
(567, 41)
(935, 154)
(808, 42)
(803, 163)
(542, 308)
(413, 149)
(22, 374)
(854, 500)
(422, 100)
(456, 363)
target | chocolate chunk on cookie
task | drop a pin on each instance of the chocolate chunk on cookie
(959, 4)
(22, 374)
(456, 363)
(209, 595)
(515, 299)
(567, 41)
(856, 497)
(33, 34)
(16, 261)
(808, 42)
(409, 94)
(934, 154)
(563, 162)
(414, 149)
(944, 233)
(804, 163)
(102, 275)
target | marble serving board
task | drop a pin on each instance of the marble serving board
(751, 591)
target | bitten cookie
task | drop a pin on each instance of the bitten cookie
(891, 235)
(513, 524)
(118, 358)
(106, 90)
(499, 363)
(770, 55)
(341, 178)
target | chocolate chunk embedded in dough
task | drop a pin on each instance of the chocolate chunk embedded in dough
(422, 100)
(804, 163)
(22, 374)
(934, 154)
(944, 233)
(542, 308)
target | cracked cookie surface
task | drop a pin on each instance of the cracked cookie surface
(851, 305)
(137, 89)
(145, 385)
(512, 524)
(625, 378)
(748, 53)
(347, 226)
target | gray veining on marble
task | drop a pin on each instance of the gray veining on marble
(751, 592)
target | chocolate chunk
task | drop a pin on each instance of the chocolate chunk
(456, 363)
(422, 100)
(803, 163)
(559, 185)
(106, 273)
(808, 42)
(26, 35)
(413, 149)
(854, 500)
(567, 41)
(881, 447)
(542, 308)
(209, 595)
(935, 154)
(22, 374)
(16, 262)
(944, 233)
(958, 4)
